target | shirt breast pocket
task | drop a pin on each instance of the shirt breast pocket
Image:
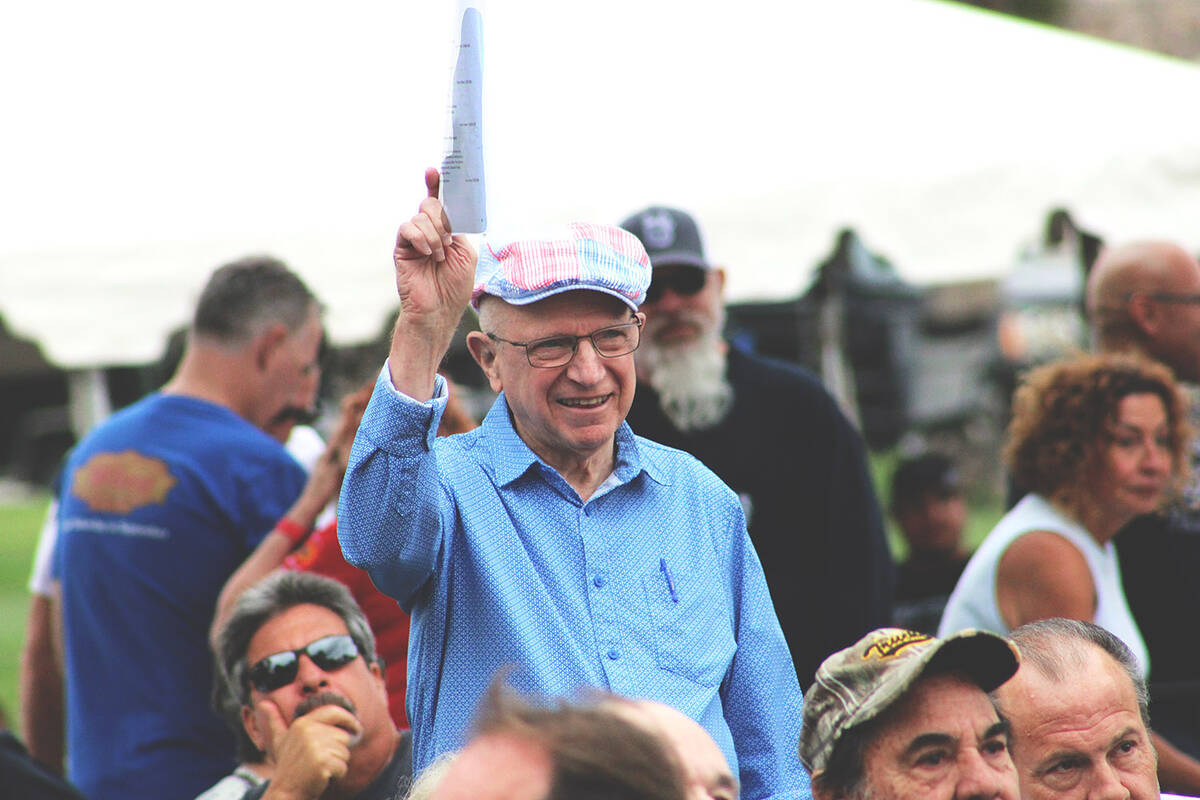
(692, 624)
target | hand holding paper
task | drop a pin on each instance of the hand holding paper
(435, 271)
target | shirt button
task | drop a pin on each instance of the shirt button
(614, 654)
(599, 581)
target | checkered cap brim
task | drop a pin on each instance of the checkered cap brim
(601, 258)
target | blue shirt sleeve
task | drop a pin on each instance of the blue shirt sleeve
(761, 695)
(393, 510)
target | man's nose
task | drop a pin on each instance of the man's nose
(1107, 785)
(309, 676)
(981, 779)
(587, 367)
(667, 301)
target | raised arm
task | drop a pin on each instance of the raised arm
(435, 271)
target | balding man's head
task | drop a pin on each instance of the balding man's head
(1077, 707)
(705, 769)
(1145, 297)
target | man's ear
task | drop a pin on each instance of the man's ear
(1145, 314)
(483, 350)
(380, 680)
(250, 723)
(267, 343)
(718, 275)
(819, 791)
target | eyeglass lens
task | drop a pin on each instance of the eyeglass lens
(685, 282)
(280, 669)
(609, 342)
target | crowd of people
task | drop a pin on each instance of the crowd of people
(618, 582)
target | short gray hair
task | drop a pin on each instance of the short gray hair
(242, 296)
(1058, 647)
(271, 597)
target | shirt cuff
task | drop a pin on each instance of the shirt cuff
(394, 417)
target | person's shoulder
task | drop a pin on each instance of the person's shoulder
(121, 419)
(758, 367)
(679, 467)
(468, 444)
(780, 379)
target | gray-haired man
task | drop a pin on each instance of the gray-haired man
(301, 654)
(1078, 709)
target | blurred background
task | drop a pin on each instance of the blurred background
(907, 194)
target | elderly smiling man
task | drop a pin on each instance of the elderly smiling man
(552, 538)
(904, 716)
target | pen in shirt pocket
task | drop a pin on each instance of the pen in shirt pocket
(662, 565)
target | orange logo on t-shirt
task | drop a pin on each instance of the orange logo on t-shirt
(120, 482)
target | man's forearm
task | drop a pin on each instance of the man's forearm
(415, 356)
(389, 511)
(42, 688)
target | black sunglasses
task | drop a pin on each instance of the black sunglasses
(278, 670)
(685, 282)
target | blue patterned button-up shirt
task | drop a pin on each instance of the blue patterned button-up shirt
(650, 589)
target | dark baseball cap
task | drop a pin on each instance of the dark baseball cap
(670, 236)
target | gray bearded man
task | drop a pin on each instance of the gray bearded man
(774, 434)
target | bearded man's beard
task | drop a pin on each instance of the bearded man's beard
(689, 378)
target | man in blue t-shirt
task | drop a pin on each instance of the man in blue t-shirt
(158, 506)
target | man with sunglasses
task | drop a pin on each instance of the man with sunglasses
(774, 434)
(551, 539)
(1144, 298)
(300, 654)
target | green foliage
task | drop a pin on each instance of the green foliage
(19, 526)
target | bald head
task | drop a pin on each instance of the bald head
(705, 770)
(1145, 297)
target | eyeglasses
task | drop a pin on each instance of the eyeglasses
(1173, 297)
(278, 670)
(685, 282)
(555, 351)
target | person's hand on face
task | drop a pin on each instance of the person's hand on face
(435, 270)
(312, 752)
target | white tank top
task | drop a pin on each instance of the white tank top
(973, 603)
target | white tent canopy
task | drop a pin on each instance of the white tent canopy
(149, 142)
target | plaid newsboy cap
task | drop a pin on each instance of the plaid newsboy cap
(601, 258)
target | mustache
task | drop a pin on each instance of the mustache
(297, 414)
(324, 699)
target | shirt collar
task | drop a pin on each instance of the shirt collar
(512, 458)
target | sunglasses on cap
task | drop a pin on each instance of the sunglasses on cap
(278, 670)
(685, 282)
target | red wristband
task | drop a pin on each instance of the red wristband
(293, 530)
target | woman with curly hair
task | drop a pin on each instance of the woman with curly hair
(1097, 441)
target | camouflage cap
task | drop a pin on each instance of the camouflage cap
(859, 683)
